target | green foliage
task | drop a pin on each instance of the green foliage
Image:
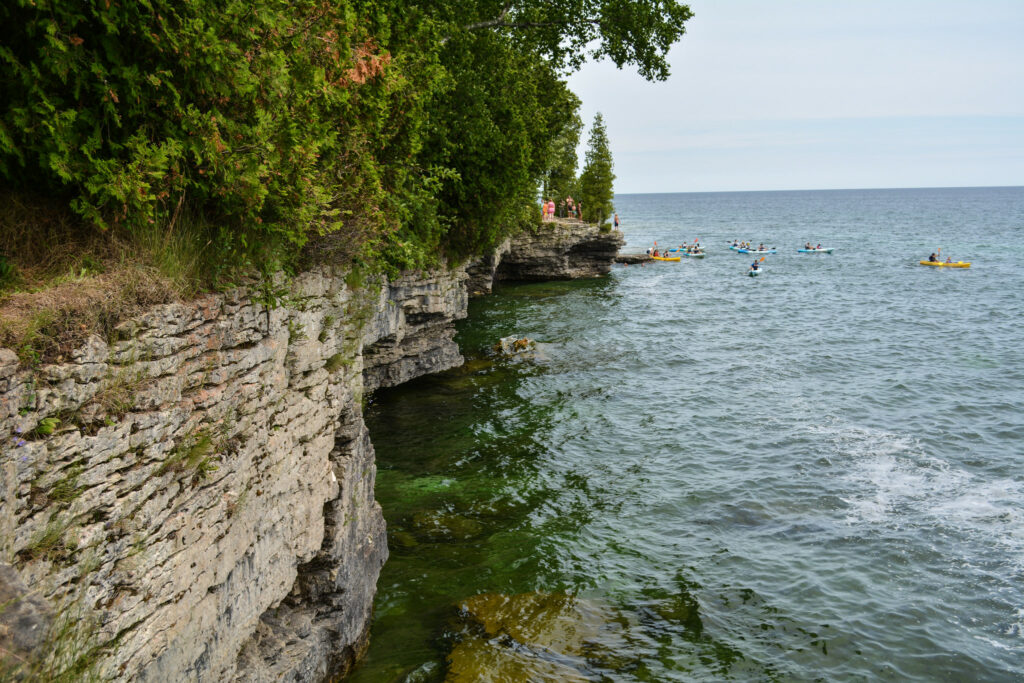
(8, 274)
(296, 331)
(501, 114)
(46, 426)
(67, 489)
(195, 456)
(236, 108)
(566, 32)
(336, 362)
(560, 177)
(49, 543)
(597, 177)
(243, 135)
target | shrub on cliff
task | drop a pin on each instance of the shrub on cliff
(276, 121)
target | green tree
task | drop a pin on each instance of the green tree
(568, 31)
(407, 129)
(494, 131)
(560, 178)
(597, 176)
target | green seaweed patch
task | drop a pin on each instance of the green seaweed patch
(446, 526)
(402, 539)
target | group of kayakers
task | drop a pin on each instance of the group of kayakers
(697, 249)
(694, 248)
(746, 245)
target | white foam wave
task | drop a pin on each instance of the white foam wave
(891, 479)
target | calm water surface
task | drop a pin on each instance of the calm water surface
(817, 474)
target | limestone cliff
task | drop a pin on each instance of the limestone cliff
(561, 249)
(198, 492)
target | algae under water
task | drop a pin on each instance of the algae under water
(813, 475)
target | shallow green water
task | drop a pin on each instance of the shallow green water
(746, 479)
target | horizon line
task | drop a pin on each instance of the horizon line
(834, 189)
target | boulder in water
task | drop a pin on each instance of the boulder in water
(513, 345)
(534, 637)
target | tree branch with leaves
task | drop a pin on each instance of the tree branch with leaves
(567, 32)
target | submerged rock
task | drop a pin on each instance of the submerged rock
(442, 526)
(478, 660)
(535, 637)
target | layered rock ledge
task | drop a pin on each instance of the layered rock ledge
(198, 492)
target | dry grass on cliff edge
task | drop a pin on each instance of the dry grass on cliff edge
(61, 281)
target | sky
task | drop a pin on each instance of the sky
(818, 94)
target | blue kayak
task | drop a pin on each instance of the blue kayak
(756, 251)
(823, 250)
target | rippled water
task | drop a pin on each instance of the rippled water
(813, 474)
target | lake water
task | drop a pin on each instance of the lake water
(816, 474)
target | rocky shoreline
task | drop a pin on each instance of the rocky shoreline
(633, 259)
(198, 492)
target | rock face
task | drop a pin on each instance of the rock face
(560, 250)
(200, 490)
(481, 271)
(411, 332)
(633, 259)
(25, 619)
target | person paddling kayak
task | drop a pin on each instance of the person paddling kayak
(933, 258)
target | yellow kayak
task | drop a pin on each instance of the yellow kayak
(958, 264)
(666, 258)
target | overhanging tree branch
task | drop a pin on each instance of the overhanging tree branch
(491, 22)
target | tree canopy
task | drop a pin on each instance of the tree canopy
(410, 129)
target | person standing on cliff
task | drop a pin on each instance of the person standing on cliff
(616, 221)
